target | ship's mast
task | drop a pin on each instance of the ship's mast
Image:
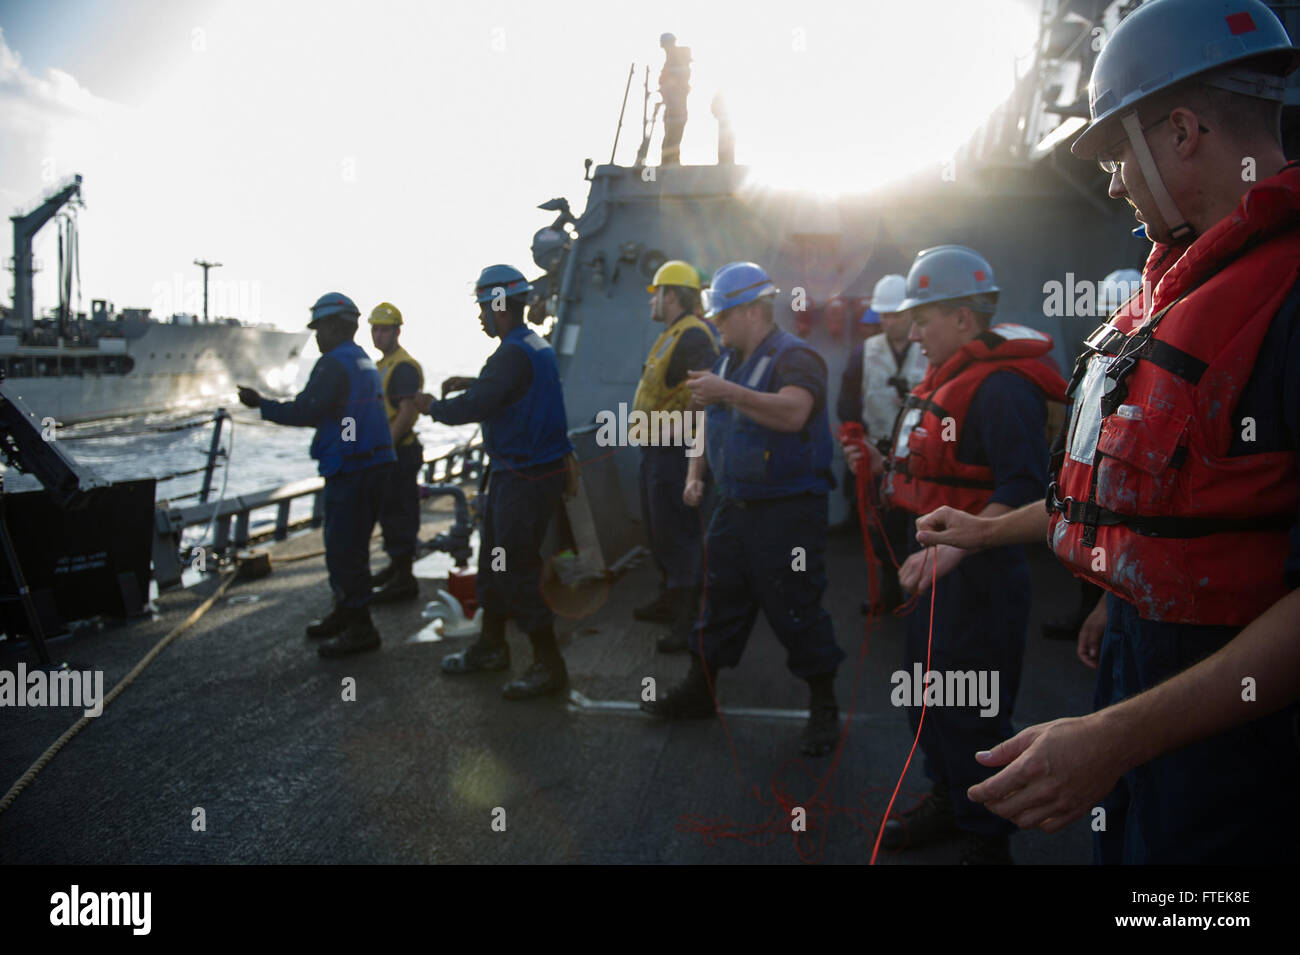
(205, 266)
(25, 229)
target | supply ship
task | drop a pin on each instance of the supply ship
(76, 367)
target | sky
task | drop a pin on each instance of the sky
(390, 150)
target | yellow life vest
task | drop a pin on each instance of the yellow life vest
(386, 365)
(653, 393)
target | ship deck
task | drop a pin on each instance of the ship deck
(239, 716)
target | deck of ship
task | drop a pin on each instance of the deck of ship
(241, 717)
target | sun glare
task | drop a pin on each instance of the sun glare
(868, 94)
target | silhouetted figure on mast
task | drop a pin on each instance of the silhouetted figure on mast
(674, 85)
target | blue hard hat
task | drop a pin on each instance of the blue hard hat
(945, 273)
(1165, 42)
(334, 305)
(505, 277)
(870, 317)
(736, 283)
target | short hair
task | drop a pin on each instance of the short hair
(1242, 117)
(688, 299)
(983, 306)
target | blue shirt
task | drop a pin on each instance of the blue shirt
(506, 377)
(1005, 431)
(323, 397)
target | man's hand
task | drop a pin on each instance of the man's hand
(455, 383)
(914, 575)
(1090, 634)
(249, 397)
(693, 493)
(1055, 773)
(423, 402)
(947, 525)
(707, 388)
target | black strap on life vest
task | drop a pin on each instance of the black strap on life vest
(1092, 514)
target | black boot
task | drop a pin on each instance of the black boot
(358, 636)
(690, 699)
(822, 731)
(399, 585)
(547, 675)
(686, 613)
(931, 820)
(384, 576)
(489, 652)
(333, 622)
(659, 610)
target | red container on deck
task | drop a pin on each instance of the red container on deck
(460, 584)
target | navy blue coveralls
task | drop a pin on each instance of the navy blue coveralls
(673, 527)
(518, 398)
(981, 608)
(1233, 798)
(353, 448)
(770, 498)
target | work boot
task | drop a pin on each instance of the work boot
(690, 699)
(333, 622)
(358, 636)
(822, 730)
(489, 652)
(540, 679)
(399, 585)
(931, 820)
(977, 849)
(384, 576)
(686, 612)
(659, 610)
(547, 675)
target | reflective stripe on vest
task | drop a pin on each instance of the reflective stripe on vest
(355, 436)
(750, 462)
(533, 430)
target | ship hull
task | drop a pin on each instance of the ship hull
(172, 368)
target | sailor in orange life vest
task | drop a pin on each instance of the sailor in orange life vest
(1175, 486)
(972, 436)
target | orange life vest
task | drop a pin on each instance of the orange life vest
(924, 470)
(1145, 500)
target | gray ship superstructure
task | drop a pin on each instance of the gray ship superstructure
(1013, 191)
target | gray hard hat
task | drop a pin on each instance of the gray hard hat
(1165, 42)
(945, 273)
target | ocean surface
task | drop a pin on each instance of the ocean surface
(260, 455)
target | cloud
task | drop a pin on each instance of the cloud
(46, 123)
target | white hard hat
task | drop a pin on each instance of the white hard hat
(888, 294)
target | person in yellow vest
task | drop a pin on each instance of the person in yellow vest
(687, 343)
(399, 515)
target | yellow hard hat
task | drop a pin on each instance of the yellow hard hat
(385, 314)
(675, 272)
